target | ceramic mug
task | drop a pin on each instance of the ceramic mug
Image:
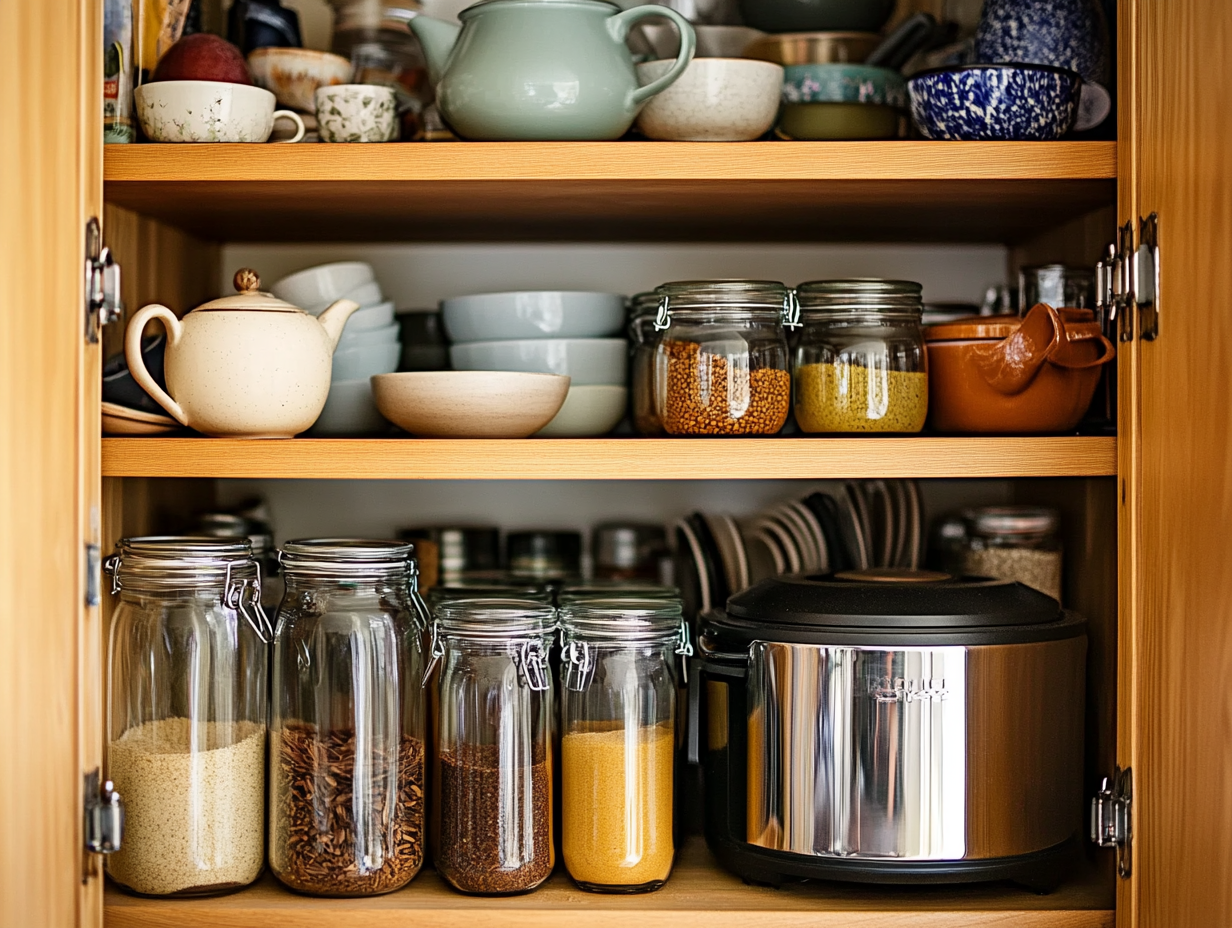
(209, 111)
(357, 113)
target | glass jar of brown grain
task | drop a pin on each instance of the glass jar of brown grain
(860, 364)
(1015, 543)
(721, 358)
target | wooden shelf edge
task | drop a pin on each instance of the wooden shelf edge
(592, 161)
(612, 458)
(698, 894)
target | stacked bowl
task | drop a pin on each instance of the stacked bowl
(369, 343)
(573, 333)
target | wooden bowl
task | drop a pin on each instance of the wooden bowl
(470, 404)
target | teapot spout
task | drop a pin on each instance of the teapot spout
(335, 318)
(437, 38)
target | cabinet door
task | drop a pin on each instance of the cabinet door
(50, 718)
(1179, 643)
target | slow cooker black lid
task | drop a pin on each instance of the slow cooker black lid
(900, 600)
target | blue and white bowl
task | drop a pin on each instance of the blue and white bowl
(1063, 33)
(995, 102)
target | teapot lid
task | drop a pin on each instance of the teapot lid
(250, 297)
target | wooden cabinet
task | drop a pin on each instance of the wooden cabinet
(1147, 513)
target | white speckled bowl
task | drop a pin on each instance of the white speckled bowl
(715, 100)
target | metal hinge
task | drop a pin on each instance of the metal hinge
(1112, 818)
(104, 815)
(1128, 279)
(103, 303)
(93, 564)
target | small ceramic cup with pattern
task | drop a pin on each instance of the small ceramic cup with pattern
(357, 113)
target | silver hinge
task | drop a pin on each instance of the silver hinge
(103, 303)
(93, 563)
(1146, 277)
(1128, 279)
(104, 815)
(1112, 818)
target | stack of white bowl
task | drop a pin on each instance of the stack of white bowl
(574, 333)
(369, 343)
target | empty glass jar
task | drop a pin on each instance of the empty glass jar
(187, 714)
(860, 364)
(492, 786)
(643, 339)
(618, 743)
(721, 358)
(346, 778)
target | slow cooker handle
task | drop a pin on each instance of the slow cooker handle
(693, 739)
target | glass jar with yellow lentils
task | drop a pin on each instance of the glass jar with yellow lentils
(860, 363)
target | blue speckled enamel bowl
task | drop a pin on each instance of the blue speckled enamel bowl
(995, 102)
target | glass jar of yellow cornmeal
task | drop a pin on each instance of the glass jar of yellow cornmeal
(860, 364)
(618, 745)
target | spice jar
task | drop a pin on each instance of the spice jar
(187, 714)
(618, 744)
(721, 358)
(492, 783)
(1015, 543)
(860, 365)
(643, 339)
(346, 780)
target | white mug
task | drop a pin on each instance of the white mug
(209, 111)
(357, 113)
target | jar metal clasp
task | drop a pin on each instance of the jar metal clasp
(663, 318)
(436, 651)
(684, 647)
(580, 663)
(791, 310)
(532, 665)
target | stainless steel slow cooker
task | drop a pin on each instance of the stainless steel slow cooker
(893, 726)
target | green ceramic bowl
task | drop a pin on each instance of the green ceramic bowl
(843, 83)
(811, 122)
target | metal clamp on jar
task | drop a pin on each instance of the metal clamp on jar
(618, 747)
(346, 777)
(492, 782)
(860, 365)
(721, 360)
(187, 714)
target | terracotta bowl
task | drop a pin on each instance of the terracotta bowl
(470, 404)
(294, 74)
(1006, 375)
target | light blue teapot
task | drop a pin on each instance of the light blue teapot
(542, 70)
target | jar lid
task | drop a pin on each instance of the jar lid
(732, 294)
(643, 304)
(632, 619)
(495, 619)
(912, 607)
(177, 562)
(860, 295)
(1015, 520)
(996, 327)
(350, 557)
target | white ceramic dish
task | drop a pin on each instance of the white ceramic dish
(589, 410)
(366, 294)
(364, 337)
(368, 317)
(350, 410)
(470, 404)
(294, 74)
(586, 360)
(533, 314)
(362, 361)
(715, 100)
(320, 285)
(120, 420)
(209, 111)
(712, 41)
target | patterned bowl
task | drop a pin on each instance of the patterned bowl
(993, 102)
(843, 83)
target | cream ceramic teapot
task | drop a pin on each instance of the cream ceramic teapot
(244, 366)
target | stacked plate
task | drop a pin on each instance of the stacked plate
(872, 523)
(574, 333)
(369, 343)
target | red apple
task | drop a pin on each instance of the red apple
(203, 57)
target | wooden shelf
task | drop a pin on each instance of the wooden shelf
(699, 893)
(647, 191)
(611, 458)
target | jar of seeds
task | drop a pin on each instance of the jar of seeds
(346, 760)
(1015, 543)
(492, 782)
(860, 364)
(187, 714)
(618, 741)
(720, 363)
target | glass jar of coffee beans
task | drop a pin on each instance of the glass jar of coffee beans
(721, 359)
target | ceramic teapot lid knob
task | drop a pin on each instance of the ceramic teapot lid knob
(247, 280)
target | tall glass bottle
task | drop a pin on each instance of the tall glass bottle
(346, 779)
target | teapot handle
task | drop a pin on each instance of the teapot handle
(619, 26)
(136, 364)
